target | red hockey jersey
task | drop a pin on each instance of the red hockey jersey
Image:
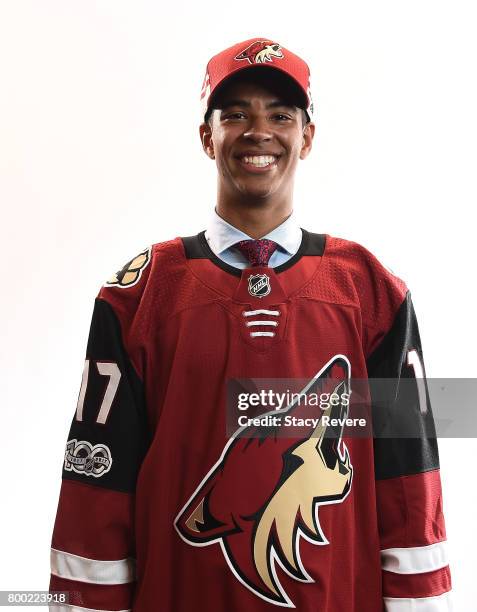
(161, 511)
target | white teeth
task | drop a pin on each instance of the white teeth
(259, 160)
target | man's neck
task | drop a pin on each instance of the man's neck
(254, 220)
(254, 215)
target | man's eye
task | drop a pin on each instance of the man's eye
(236, 115)
(240, 115)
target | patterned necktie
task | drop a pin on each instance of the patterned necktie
(258, 252)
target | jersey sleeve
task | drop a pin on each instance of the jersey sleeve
(415, 568)
(93, 542)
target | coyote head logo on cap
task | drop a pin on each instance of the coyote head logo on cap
(263, 494)
(261, 51)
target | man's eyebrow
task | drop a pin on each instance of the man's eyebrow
(246, 104)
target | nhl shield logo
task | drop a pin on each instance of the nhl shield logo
(259, 285)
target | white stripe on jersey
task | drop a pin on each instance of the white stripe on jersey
(441, 603)
(74, 567)
(415, 560)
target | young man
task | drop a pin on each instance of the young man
(159, 509)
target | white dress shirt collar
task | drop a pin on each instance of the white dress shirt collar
(221, 235)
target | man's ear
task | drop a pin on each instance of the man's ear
(308, 133)
(206, 139)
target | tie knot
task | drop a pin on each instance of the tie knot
(258, 252)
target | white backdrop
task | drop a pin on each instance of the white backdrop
(100, 156)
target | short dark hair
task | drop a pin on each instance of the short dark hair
(276, 81)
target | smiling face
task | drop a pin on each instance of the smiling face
(256, 134)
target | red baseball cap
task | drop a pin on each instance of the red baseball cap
(256, 52)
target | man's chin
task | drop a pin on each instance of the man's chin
(257, 192)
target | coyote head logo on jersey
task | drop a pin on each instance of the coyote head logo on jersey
(263, 494)
(260, 52)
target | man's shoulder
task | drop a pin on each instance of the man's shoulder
(138, 289)
(130, 280)
(378, 291)
(361, 261)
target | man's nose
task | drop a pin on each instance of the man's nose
(258, 129)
